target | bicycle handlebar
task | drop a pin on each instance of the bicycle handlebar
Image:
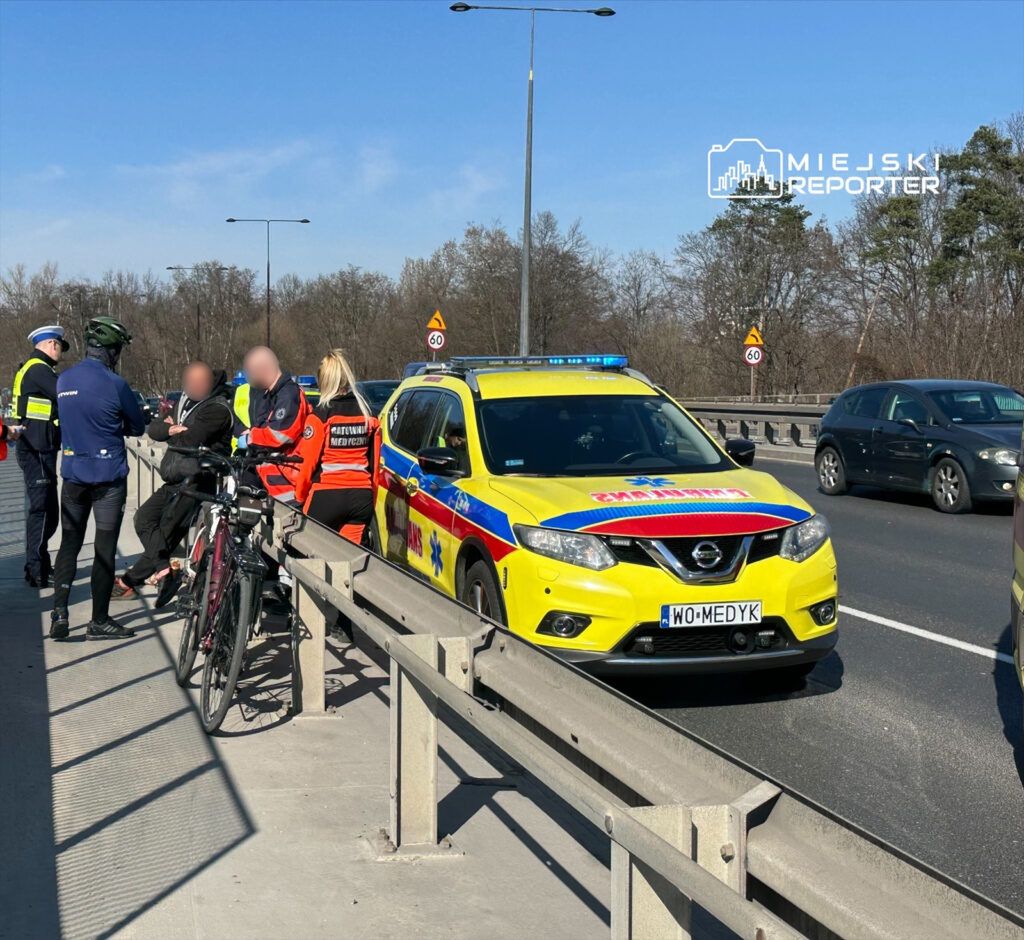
(241, 458)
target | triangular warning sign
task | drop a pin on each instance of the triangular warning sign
(754, 337)
(437, 322)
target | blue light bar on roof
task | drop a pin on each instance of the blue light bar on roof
(601, 361)
(306, 381)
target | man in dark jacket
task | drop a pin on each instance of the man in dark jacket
(202, 418)
(97, 409)
(35, 407)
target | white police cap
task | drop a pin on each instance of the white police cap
(49, 332)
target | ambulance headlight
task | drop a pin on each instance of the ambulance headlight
(574, 548)
(802, 540)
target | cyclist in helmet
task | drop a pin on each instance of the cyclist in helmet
(97, 409)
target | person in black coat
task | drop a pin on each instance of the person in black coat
(202, 418)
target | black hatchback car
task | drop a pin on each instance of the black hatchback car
(956, 440)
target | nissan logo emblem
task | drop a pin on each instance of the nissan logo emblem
(707, 555)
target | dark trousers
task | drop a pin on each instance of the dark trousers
(347, 510)
(105, 501)
(40, 473)
(161, 522)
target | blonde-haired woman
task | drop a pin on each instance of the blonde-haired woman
(339, 450)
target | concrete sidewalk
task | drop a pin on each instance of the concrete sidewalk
(122, 818)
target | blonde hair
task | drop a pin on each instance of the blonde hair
(336, 378)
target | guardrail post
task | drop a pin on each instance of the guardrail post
(722, 833)
(721, 428)
(769, 433)
(744, 429)
(644, 905)
(795, 434)
(413, 783)
(309, 633)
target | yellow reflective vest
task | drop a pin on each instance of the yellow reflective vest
(240, 406)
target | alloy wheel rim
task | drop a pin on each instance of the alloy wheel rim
(828, 471)
(949, 485)
(479, 596)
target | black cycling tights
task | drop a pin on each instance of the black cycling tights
(106, 503)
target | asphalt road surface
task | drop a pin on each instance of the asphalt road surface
(917, 741)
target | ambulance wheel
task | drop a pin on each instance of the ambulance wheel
(480, 591)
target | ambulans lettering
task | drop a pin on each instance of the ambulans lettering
(414, 539)
(643, 496)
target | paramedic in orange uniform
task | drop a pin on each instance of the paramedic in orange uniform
(277, 415)
(339, 450)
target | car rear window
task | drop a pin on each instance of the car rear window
(411, 419)
(865, 402)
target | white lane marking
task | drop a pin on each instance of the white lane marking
(927, 635)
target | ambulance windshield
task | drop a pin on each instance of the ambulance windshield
(592, 435)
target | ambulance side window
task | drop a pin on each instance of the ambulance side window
(450, 429)
(415, 414)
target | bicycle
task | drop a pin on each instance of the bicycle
(225, 568)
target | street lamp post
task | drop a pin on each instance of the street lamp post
(268, 223)
(524, 293)
(190, 268)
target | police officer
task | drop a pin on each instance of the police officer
(35, 407)
(97, 408)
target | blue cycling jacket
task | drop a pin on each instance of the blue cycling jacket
(97, 409)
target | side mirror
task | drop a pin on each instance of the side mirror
(741, 450)
(439, 461)
(909, 423)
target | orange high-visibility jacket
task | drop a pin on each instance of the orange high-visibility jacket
(277, 417)
(340, 448)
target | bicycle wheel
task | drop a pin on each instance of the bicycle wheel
(195, 624)
(224, 660)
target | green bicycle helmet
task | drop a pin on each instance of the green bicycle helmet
(107, 332)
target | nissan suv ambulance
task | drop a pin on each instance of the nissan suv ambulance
(572, 500)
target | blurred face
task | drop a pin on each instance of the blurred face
(197, 382)
(261, 368)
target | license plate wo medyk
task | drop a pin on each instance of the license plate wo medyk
(732, 613)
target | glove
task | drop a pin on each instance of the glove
(243, 441)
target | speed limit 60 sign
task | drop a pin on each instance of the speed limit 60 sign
(752, 355)
(436, 340)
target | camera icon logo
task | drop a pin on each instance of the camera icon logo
(741, 167)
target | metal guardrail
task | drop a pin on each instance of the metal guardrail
(795, 398)
(772, 423)
(690, 828)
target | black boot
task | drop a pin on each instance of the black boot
(59, 625)
(108, 630)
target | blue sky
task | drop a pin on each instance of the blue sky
(129, 131)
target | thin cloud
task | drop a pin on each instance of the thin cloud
(377, 167)
(238, 169)
(471, 184)
(48, 174)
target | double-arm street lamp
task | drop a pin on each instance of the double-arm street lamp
(195, 286)
(268, 223)
(524, 302)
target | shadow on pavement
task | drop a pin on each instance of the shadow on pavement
(113, 798)
(28, 870)
(989, 507)
(1008, 699)
(660, 692)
